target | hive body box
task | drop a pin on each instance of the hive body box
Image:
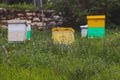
(63, 35)
(84, 29)
(28, 31)
(96, 26)
(17, 30)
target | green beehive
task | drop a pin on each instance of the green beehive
(96, 26)
(96, 32)
(28, 30)
(28, 33)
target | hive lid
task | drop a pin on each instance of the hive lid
(84, 26)
(96, 17)
(18, 21)
(63, 29)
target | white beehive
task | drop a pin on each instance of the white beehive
(16, 30)
(84, 29)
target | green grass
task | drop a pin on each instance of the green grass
(40, 59)
(19, 6)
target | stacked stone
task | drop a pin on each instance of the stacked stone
(49, 17)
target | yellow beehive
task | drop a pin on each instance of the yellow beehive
(63, 35)
(96, 21)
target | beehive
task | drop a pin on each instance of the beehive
(96, 25)
(63, 35)
(17, 30)
(28, 30)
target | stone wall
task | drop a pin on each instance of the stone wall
(50, 18)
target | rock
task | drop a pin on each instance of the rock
(12, 11)
(11, 16)
(40, 28)
(20, 15)
(16, 19)
(49, 19)
(29, 18)
(18, 10)
(34, 27)
(29, 14)
(33, 14)
(51, 24)
(45, 19)
(4, 21)
(3, 18)
(49, 11)
(36, 19)
(37, 24)
(59, 23)
(4, 27)
(38, 14)
(42, 15)
(56, 17)
(22, 18)
(1, 9)
(4, 9)
(27, 11)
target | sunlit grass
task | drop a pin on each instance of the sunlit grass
(19, 6)
(40, 59)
